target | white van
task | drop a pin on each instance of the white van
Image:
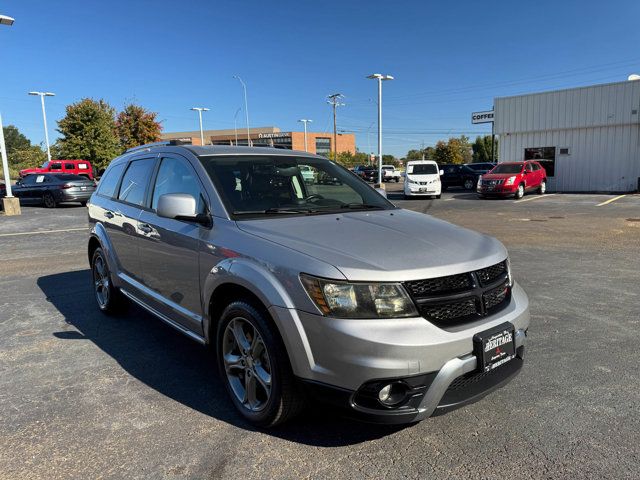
(422, 178)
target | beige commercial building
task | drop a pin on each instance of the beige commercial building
(317, 142)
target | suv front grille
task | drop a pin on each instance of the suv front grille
(462, 298)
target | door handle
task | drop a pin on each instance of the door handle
(108, 214)
(145, 228)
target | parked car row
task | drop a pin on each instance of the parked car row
(82, 168)
(51, 189)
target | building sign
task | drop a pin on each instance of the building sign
(274, 135)
(482, 117)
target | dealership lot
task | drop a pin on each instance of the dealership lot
(87, 396)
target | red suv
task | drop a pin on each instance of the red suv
(74, 167)
(513, 178)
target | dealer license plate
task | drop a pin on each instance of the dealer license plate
(494, 347)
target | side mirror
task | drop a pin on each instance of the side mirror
(441, 172)
(181, 206)
(382, 192)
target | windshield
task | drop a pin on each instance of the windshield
(508, 168)
(271, 185)
(422, 169)
(45, 164)
(480, 167)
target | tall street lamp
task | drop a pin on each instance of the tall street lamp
(381, 78)
(44, 118)
(200, 110)
(305, 121)
(235, 124)
(10, 204)
(246, 107)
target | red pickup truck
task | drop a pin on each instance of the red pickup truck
(75, 167)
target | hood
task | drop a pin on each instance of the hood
(389, 245)
(498, 176)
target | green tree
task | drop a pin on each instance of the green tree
(482, 149)
(89, 132)
(29, 157)
(14, 140)
(455, 150)
(427, 152)
(137, 126)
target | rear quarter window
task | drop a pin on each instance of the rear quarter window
(110, 179)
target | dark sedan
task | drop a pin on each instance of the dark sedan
(51, 189)
(465, 176)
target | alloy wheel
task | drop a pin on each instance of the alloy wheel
(468, 184)
(247, 364)
(101, 282)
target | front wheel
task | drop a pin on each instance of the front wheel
(519, 192)
(254, 366)
(468, 184)
(543, 188)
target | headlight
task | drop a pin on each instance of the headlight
(510, 181)
(479, 181)
(359, 300)
(412, 181)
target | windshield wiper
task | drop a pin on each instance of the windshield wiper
(367, 206)
(274, 210)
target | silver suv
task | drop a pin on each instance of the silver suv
(306, 285)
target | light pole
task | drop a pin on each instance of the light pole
(246, 107)
(200, 110)
(44, 118)
(235, 124)
(380, 79)
(334, 101)
(305, 121)
(11, 205)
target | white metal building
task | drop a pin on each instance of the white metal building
(587, 138)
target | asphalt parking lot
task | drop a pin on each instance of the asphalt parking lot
(87, 396)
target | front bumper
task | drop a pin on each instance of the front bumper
(497, 190)
(347, 354)
(411, 189)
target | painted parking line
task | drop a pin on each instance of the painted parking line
(535, 198)
(611, 200)
(39, 232)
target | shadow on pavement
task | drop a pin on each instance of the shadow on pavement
(179, 368)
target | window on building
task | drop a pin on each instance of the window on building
(564, 151)
(546, 156)
(323, 146)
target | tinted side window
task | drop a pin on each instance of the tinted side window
(55, 166)
(135, 180)
(69, 166)
(109, 180)
(176, 176)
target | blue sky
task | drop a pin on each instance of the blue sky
(448, 58)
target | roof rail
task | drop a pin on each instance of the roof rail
(158, 144)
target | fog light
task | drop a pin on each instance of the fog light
(392, 394)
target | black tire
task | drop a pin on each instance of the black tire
(407, 197)
(48, 200)
(84, 204)
(397, 179)
(469, 184)
(438, 196)
(444, 187)
(519, 192)
(285, 398)
(111, 301)
(542, 189)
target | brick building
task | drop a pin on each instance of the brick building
(320, 143)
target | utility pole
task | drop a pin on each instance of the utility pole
(235, 124)
(305, 121)
(422, 150)
(334, 101)
(493, 139)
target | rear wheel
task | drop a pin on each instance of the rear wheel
(254, 366)
(468, 184)
(543, 188)
(519, 192)
(108, 298)
(48, 200)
